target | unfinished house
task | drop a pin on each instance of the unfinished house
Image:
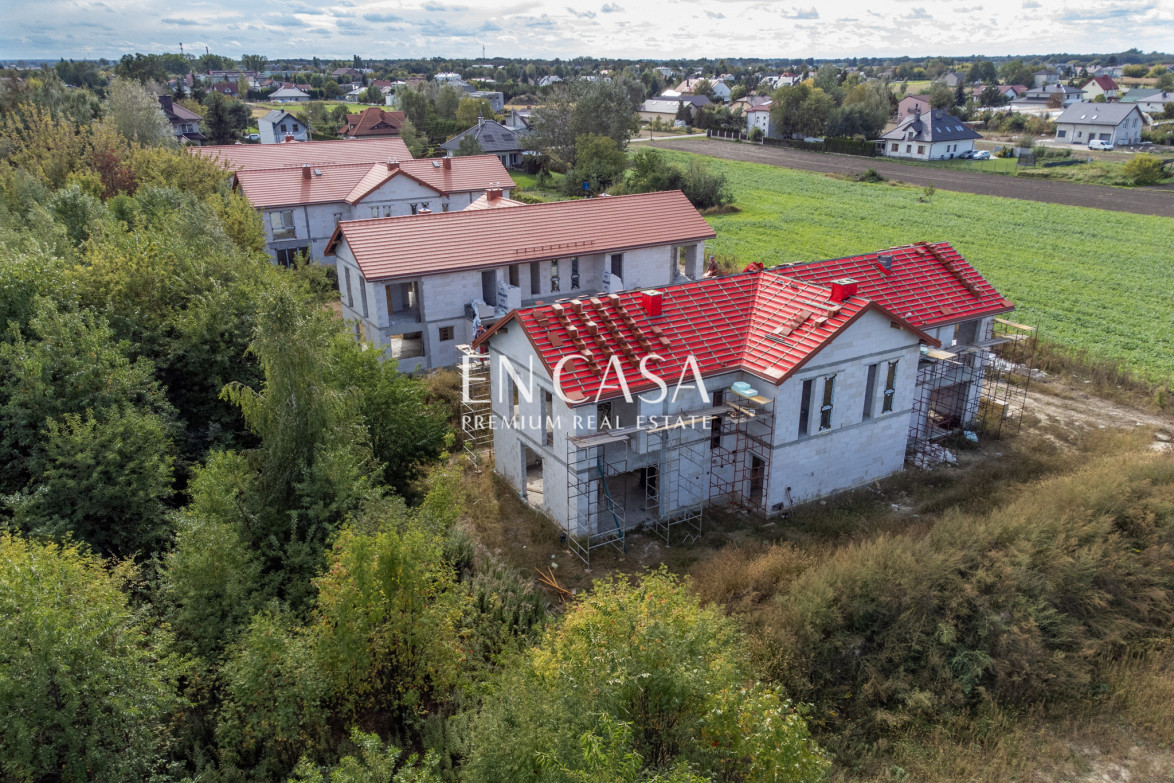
(933, 287)
(419, 287)
(301, 205)
(758, 390)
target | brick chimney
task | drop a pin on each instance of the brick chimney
(492, 194)
(844, 288)
(392, 164)
(306, 173)
(446, 162)
(289, 139)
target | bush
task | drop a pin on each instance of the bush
(85, 684)
(1022, 606)
(1145, 169)
(639, 679)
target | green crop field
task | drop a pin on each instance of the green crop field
(1089, 278)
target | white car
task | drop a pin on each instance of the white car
(981, 155)
(254, 137)
(1097, 144)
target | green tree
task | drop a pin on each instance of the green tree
(469, 110)
(599, 162)
(1016, 72)
(941, 97)
(983, 72)
(254, 62)
(415, 106)
(583, 107)
(73, 408)
(134, 113)
(86, 685)
(142, 68)
(447, 101)
(639, 680)
(220, 123)
(468, 145)
(103, 479)
(373, 95)
(377, 762)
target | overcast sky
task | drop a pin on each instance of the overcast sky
(550, 28)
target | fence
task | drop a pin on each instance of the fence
(842, 146)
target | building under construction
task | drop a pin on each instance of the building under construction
(759, 390)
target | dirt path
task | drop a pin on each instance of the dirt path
(1067, 407)
(1142, 201)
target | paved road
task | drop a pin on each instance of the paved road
(1142, 201)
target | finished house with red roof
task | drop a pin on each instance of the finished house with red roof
(760, 390)
(418, 287)
(1101, 85)
(302, 205)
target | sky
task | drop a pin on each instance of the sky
(598, 28)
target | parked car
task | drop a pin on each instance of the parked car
(254, 137)
(968, 154)
(1097, 144)
(981, 155)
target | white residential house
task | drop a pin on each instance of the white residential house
(289, 95)
(1117, 123)
(1048, 92)
(779, 390)
(418, 287)
(1101, 85)
(759, 117)
(302, 205)
(278, 126)
(935, 135)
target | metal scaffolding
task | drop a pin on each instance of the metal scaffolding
(741, 451)
(674, 491)
(595, 515)
(979, 387)
(476, 408)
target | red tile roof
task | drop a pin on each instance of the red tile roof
(762, 323)
(497, 203)
(462, 175)
(412, 245)
(373, 121)
(927, 284)
(1105, 82)
(352, 182)
(315, 153)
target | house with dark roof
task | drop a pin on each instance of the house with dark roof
(1116, 123)
(494, 139)
(289, 95)
(760, 390)
(1150, 101)
(372, 122)
(934, 135)
(419, 287)
(185, 123)
(280, 126)
(302, 205)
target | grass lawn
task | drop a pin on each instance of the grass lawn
(914, 88)
(1090, 279)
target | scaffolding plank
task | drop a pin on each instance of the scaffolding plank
(937, 353)
(1014, 325)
